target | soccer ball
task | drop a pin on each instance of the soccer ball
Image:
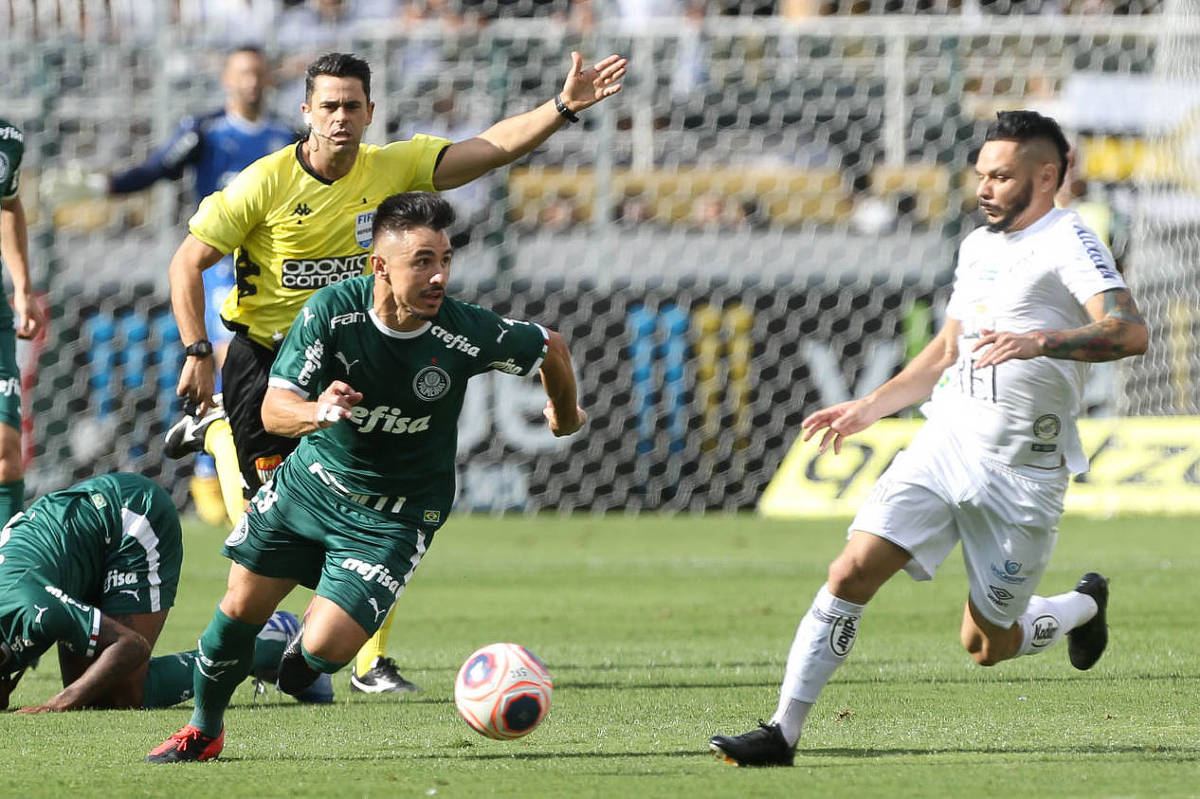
(503, 691)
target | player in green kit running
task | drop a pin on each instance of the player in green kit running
(95, 568)
(372, 375)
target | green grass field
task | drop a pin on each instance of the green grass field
(660, 631)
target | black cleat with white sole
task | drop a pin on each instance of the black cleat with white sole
(762, 747)
(187, 435)
(1086, 643)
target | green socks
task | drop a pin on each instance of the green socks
(224, 658)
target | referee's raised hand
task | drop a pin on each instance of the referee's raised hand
(586, 87)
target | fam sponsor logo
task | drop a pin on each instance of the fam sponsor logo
(454, 341)
(431, 383)
(1044, 628)
(387, 420)
(374, 573)
(352, 318)
(315, 273)
(314, 355)
(842, 634)
(116, 579)
(506, 366)
(1009, 573)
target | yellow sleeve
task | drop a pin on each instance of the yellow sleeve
(412, 162)
(226, 217)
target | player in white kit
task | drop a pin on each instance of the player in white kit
(1036, 297)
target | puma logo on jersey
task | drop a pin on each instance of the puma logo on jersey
(133, 592)
(346, 363)
(308, 315)
(504, 331)
(40, 610)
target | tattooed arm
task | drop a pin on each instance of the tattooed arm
(1117, 331)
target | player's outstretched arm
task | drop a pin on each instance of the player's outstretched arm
(914, 383)
(186, 275)
(562, 412)
(120, 653)
(14, 248)
(1116, 331)
(286, 413)
(511, 138)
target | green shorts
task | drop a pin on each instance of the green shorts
(10, 374)
(141, 575)
(297, 528)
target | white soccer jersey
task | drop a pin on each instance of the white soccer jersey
(1023, 412)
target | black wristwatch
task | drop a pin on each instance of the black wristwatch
(200, 349)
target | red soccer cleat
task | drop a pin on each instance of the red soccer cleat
(189, 745)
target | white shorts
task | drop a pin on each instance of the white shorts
(937, 492)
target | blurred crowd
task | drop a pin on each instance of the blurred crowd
(298, 23)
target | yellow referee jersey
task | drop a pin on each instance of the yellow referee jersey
(292, 232)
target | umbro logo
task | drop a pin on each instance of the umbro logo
(302, 209)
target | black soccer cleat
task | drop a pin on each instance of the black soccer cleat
(1086, 643)
(382, 678)
(187, 435)
(189, 745)
(295, 675)
(762, 747)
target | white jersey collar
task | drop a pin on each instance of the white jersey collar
(390, 333)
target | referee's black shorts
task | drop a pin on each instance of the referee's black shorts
(244, 383)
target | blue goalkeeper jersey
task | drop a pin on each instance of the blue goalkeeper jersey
(215, 146)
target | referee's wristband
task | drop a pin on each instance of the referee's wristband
(567, 113)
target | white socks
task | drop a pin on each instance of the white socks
(1048, 619)
(823, 640)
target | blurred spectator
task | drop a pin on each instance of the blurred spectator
(748, 214)
(560, 214)
(708, 212)
(634, 210)
(229, 22)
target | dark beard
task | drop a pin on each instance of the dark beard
(1002, 224)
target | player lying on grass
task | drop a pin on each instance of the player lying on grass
(372, 376)
(95, 568)
(1036, 297)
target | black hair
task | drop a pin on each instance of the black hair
(253, 49)
(412, 209)
(1023, 126)
(338, 65)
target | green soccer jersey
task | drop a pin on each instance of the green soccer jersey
(12, 150)
(396, 452)
(62, 556)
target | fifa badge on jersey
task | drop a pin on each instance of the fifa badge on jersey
(362, 229)
(99, 501)
(432, 516)
(266, 466)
